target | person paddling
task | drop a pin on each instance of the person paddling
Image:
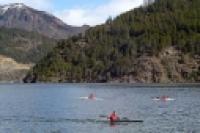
(91, 96)
(164, 98)
(113, 117)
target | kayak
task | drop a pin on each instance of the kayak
(166, 99)
(79, 121)
(119, 121)
(87, 98)
(128, 121)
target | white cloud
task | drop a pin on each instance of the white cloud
(98, 15)
(37, 4)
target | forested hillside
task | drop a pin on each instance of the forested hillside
(155, 43)
(23, 46)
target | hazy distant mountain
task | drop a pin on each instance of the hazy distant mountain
(27, 35)
(23, 17)
(24, 46)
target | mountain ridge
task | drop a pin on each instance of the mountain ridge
(18, 15)
(24, 46)
(27, 35)
(131, 46)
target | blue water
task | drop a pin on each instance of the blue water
(53, 108)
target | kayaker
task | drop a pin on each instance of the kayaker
(91, 96)
(113, 117)
(164, 98)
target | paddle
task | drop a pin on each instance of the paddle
(105, 116)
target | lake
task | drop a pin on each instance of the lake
(59, 108)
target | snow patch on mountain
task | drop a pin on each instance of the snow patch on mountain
(5, 8)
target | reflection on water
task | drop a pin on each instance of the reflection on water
(58, 109)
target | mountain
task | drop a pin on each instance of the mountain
(24, 46)
(156, 43)
(19, 49)
(27, 35)
(20, 16)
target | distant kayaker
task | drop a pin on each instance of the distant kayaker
(164, 98)
(113, 117)
(91, 96)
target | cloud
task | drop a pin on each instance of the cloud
(37, 4)
(97, 15)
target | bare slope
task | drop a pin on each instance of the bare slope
(11, 71)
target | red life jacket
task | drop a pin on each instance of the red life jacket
(113, 117)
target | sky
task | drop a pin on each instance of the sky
(81, 12)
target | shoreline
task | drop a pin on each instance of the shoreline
(114, 84)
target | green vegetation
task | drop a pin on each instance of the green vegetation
(23, 46)
(109, 50)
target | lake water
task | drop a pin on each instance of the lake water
(54, 108)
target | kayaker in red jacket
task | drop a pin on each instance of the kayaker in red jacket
(113, 117)
(91, 96)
